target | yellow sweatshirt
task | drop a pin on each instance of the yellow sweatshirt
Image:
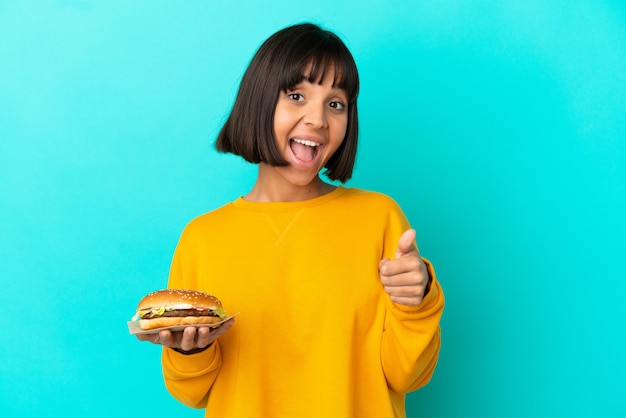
(316, 334)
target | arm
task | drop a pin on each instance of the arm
(412, 339)
(191, 359)
(411, 335)
(189, 377)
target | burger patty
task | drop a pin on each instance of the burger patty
(179, 312)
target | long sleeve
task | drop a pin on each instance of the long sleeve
(412, 339)
(411, 334)
(189, 378)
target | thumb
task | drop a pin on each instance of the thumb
(405, 243)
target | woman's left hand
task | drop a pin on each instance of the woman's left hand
(405, 278)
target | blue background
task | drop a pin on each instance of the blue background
(499, 126)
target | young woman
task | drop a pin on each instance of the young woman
(338, 313)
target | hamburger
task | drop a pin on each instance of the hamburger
(174, 307)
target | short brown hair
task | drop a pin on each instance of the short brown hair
(279, 65)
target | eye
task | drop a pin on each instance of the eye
(337, 105)
(295, 96)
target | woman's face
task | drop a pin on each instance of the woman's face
(310, 123)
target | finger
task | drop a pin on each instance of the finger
(153, 338)
(381, 266)
(389, 269)
(408, 290)
(406, 243)
(216, 332)
(202, 339)
(188, 339)
(165, 338)
(206, 335)
(407, 301)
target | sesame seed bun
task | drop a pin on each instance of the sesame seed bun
(174, 307)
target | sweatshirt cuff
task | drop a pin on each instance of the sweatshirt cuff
(193, 363)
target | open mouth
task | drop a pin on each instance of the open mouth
(304, 150)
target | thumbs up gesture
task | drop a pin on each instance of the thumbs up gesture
(405, 277)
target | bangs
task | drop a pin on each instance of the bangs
(327, 60)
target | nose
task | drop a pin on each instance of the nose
(315, 116)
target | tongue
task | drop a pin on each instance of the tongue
(303, 152)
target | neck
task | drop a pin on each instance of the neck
(273, 188)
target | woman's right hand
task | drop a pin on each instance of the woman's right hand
(191, 339)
